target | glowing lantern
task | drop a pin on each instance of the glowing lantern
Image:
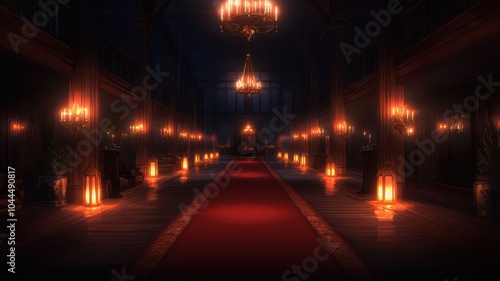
(153, 167)
(217, 155)
(92, 187)
(386, 184)
(185, 163)
(296, 158)
(197, 158)
(330, 166)
(212, 155)
(285, 156)
(279, 155)
(205, 157)
(303, 160)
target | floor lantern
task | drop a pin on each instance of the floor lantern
(153, 167)
(386, 184)
(92, 187)
(330, 166)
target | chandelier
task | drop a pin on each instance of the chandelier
(249, 18)
(248, 84)
(403, 119)
(248, 130)
(74, 118)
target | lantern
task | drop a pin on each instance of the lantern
(296, 158)
(212, 155)
(386, 184)
(92, 187)
(285, 157)
(153, 167)
(279, 155)
(205, 157)
(216, 155)
(303, 160)
(196, 158)
(185, 163)
(330, 166)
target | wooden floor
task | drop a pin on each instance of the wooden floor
(431, 235)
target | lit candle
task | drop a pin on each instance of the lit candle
(393, 111)
(412, 115)
(276, 13)
(61, 116)
(222, 13)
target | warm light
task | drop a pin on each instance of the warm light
(92, 187)
(212, 156)
(153, 167)
(248, 130)
(345, 130)
(330, 166)
(248, 84)
(403, 119)
(285, 156)
(296, 137)
(216, 155)
(183, 135)
(296, 158)
(75, 117)
(137, 130)
(249, 18)
(205, 157)
(386, 184)
(279, 155)
(318, 132)
(185, 163)
(197, 158)
(17, 127)
(303, 160)
(304, 137)
(166, 132)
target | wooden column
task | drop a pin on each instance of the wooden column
(338, 144)
(390, 144)
(84, 90)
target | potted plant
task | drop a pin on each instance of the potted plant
(487, 184)
(53, 182)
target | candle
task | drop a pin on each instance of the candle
(412, 114)
(276, 13)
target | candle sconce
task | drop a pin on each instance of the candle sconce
(74, 118)
(403, 120)
(137, 130)
(345, 130)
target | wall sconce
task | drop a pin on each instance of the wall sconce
(304, 137)
(212, 156)
(457, 123)
(185, 163)
(92, 187)
(285, 157)
(205, 157)
(296, 158)
(345, 130)
(74, 118)
(386, 184)
(166, 133)
(318, 132)
(216, 155)
(197, 158)
(183, 136)
(153, 167)
(402, 119)
(330, 166)
(295, 137)
(279, 155)
(137, 130)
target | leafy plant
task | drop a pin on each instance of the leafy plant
(488, 157)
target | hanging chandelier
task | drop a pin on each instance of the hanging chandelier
(249, 18)
(248, 84)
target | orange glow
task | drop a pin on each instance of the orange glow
(17, 127)
(285, 157)
(330, 169)
(386, 184)
(217, 155)
(92, 187)
(248, 84)
(137, 130)
(280, 155)
(166, 132)
(185, 163)
(303, 160)
(153, 167)
(196, 158)
(205, 157)
(212, 156)
(296, 158)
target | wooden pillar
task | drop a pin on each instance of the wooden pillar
(84, 90)
(338, 144)
(390, 144)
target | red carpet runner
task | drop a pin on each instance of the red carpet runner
(250, 230)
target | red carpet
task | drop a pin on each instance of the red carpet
(250, 231)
